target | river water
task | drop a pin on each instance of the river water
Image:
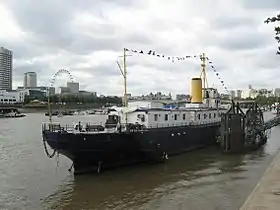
(203, 179)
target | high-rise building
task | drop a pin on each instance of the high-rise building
(30, 80)
(239, 94)
(73, 87)
(6, 69)
(277, 92)
(232, 94)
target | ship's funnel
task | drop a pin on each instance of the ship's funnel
(196, 90)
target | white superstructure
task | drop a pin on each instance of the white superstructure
(152, 114)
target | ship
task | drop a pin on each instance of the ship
(140, 131)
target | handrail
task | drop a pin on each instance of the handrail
(105, 127)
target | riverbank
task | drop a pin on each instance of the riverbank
(266, 194)
(44, 108)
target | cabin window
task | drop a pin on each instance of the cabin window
(184, 116)
(156, 117)
(166, 117)
(175, 117)
(205, 116)
(210, 115)
(214, 115)
(198, 116)
(141, 117)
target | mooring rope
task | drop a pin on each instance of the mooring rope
(46, 150)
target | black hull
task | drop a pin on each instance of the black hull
(103, 150)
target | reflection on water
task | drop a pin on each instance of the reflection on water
(204, 179)
(197, 180)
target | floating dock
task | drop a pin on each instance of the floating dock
(266, 194)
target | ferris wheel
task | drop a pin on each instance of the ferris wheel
(59, 73)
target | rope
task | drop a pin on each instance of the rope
(50, 155)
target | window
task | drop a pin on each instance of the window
(205, 116)
(175, 117)
(141, 117)
(214, 115)
(156, 117)
(166, 117)
(209, 115)
(184, 116)
(198, 116)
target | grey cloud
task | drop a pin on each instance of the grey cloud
(41, 69)
(28, 49)
(103, 70)
(50, 24)
(51, 28)
(269, 61)
(261, 4)
(224, 22)
(241, 40)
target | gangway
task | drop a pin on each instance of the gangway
(244, 131)
(271, 123)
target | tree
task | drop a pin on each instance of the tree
(276, 29)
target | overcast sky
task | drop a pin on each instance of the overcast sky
(86, 37)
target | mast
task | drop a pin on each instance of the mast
(49, 105)
(125, 86)
(124, 77)
(203, 65)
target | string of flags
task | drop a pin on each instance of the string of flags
(217, 74)
(180, 58)
(154, 53)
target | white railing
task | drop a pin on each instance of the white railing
(91, 127)
(166, 125)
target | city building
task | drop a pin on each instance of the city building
(86, 93)
(43, 89)
(73, 87)
(11, 97)
(64, 90)
(225, 96)
(6, 69)
(51, 90)
(30, 80)
(265, 92)
(232, 94)
(151, 96)
(277, 92)
(180, 97)
(249, 93)
(239, 94)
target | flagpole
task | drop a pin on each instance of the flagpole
(204, 73)
(125, 83)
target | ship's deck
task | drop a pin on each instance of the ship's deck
(100, 128)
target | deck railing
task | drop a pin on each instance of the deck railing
(82, 127)
(102, 127)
